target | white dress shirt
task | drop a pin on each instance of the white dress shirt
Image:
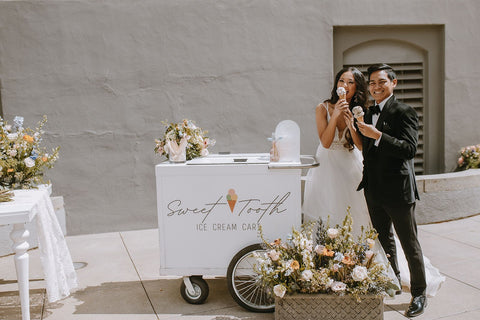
(376, 116)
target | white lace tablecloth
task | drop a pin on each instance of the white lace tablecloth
(60, 275)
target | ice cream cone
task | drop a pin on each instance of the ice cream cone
(231, 203)
(358, 113)
(341, 92)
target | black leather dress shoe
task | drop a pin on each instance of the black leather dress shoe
(417, 306)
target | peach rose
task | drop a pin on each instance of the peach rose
(328, 252)
(28, 138)
(348, 260)
(295, 265)
(276, 242)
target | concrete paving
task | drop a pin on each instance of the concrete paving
(121, 281)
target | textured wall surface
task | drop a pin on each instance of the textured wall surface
(106, 73)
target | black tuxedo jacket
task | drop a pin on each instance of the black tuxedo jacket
(388, 171)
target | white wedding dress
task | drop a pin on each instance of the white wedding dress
(331, 188)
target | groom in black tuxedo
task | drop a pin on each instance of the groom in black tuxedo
(390, 135)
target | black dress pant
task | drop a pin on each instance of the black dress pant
(402, 218)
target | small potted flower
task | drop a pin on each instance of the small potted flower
(183, 141)
(469, 158)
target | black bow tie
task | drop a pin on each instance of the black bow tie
(375, 109)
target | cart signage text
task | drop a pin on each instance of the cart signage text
(251, 210)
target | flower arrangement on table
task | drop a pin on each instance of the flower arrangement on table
(469, 158)
(23, 160)
(320, 259)
(184, 134)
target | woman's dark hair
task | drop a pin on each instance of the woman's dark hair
(358, 99)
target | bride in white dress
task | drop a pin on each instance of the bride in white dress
(331, 188)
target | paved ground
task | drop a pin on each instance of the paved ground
(121, 281)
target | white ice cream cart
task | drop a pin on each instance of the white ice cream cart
(209, 213)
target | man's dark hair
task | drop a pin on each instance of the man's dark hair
(382, 66)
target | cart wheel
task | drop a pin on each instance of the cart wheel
(200, 287)
(244, 283)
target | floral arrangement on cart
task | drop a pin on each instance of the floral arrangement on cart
(183, 141)
(325, 260)
(23, 159)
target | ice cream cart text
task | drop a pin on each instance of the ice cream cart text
(246, 207)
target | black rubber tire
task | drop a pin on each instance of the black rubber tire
(244, 284)
(201, 290)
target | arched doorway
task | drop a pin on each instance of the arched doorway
(417, 58)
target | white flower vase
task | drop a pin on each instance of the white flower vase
(177, 153)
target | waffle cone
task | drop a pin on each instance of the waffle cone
(231, 203)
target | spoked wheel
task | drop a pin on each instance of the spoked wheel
(244, 283)
(199, 293)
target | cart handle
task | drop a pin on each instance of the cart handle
(312, 164)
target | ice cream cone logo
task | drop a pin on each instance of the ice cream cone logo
(232, 199)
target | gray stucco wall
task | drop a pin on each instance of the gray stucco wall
(106, 73)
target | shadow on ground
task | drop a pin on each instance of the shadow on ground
(158, 296)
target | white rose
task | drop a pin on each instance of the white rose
(204, 152)
(12, 136)
(359, 273)
(29, 162)
(307, 275)
(279, 290)
(338, 256)
(274, 255)
(338, 286)
(319, 249)
(12, 152)
(332, 233)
